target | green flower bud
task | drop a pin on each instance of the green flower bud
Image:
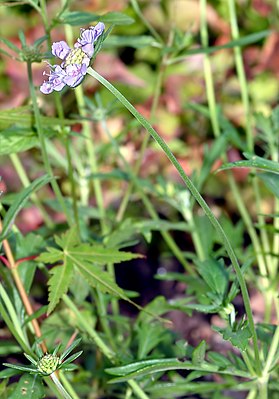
(31, 54)
(48, 364)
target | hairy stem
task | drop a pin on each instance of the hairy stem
(199, 200)
(54, 184)
(24, 297)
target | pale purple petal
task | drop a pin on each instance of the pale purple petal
(75, 74)
(53, 84)
(60, 49)
(88, 37)
(58, 84)
(55, 80)
(91, 34)
(86, 61)
(46, 88)
(88, 49)
(58, 70)
(97, 30)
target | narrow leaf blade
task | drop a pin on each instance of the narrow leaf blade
(20, 201)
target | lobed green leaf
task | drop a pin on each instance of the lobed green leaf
(239, 339)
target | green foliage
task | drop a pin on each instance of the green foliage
(254, 161)
(239, 337)
(148, 367)
(28, 387)
(210, 239)
(131, 41)
(198, 355)
(271, 181)
(87, 259)
(79, 18)
(19, 203)
(17, 139)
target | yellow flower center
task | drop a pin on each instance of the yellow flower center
(75, 56)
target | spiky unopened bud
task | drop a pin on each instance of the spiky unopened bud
(48, 364)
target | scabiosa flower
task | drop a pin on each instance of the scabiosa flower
(75, 61)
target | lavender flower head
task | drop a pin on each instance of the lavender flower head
(75, 61)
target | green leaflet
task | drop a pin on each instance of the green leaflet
(59, 283)
(100, 255)
(199, 354)
(100, 279)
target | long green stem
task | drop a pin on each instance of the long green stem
(54, 184)
(26, 182)
(67, 385)
(273, 146)
(273, 350)
(90, 146)
(73, 184)
(199, 200)
(241, 76)
(134, 173)
(208, 72)
(216, 130)
(92, 158)
(101, 345)
(70, 169)
(137, 389)
(108, 352)
(145, 141)
(149, 206)
(60, 386)
(249, 224)
(265, 255)
(11, 320)
(44, 15)
(145, 21)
